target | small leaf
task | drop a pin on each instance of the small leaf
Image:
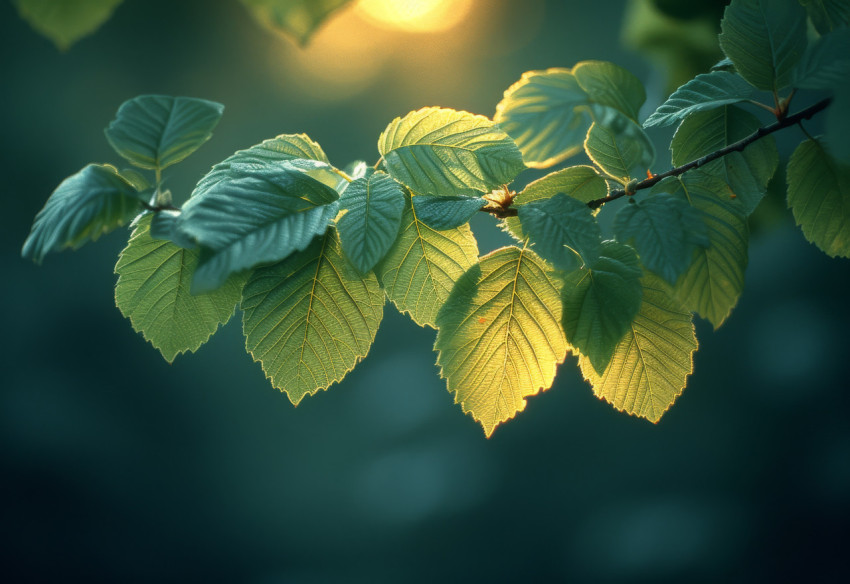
(66, 21)
(665, 231)
(446, 152)
(499, 335)
(819, 197)
(446, 212)
(651, 364)
(601, 301)
(310, 318)
(764, 39)
(828, 15)
(826, 63)
(618, 155)
(746, 173)
(706, 91)
(608, 85)
(153, 292)
(423, 264)
(296, 18)
(580, 182)
(84, 206)
(156, 131)
(370, 226)
(562, 230)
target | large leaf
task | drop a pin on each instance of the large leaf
(651, 363)
(706, 91)
(84, 206)
(259, 215)
(548, 112)
(446, 212)
(156, 131)
(296, 18)
(423, 264)
(764, 39)
(373, 216)
(715, 279)
(826, 63)
(828, 15)
(153, 292)
(819, 197)
(499, 335)
(665, 231)
(65, 22)
(746, 173)
(310, 318)
(580, 182)
(618, 155)
(562, 230)
(600, 302)
(438, 151)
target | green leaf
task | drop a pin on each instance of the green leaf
(828, 15)
(665, 231)
(562, 230)
(651, 364)
(156, 131)
(374, 206)
(499, 335)
(446, 152)
(423, 264)
(257, 216)
(153, 292)
(310, 318)
(548, 112)
(296, 18)
(746, 173)
(618, 155)
(66, 21)
(819, 197)
(446, 212)
(580, 182)
(165, 225)
(826, 63)
(84, 206)
(714, 281)
(601, 301)
(706, 91)
(764, 39)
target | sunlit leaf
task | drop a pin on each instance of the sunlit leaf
(704, 92)
(156, 131)
(764, 39)
(84, 206)
(438, 151)
(618, 155)
(66, 21)
(826, 63)
(423, 264)
(746, 173)
(154, 277)
(612, 86)
(296, 18)
(446, 212)
(499, 335)
(819, 197)
(562, 230)
(651, 363)
(600, 302)
(373, 216)
(828, 15)
(310, 318)
(665, 231)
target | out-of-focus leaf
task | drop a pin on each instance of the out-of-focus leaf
(298, 19)
(66, 21)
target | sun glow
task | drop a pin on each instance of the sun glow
(415, 15)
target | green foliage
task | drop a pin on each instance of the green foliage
(315, 252)
(297, 18)
(67, 21)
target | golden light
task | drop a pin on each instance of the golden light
(426, 16)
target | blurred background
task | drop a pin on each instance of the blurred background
(118, 467)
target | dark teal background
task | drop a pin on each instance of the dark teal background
(118, 467)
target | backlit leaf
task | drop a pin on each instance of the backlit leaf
(156, 131)
(704, 92)
(764, 39)
(438, 151)
(612, 86)
(310, 318)
(66, 21)
(154, 277)
(423, 264)
(651, 363)
(296, 18)
(499, 335)
(446, 212)
(826, 63)
(84, 206)
(819, 197)
(562, 230)
(618, 155)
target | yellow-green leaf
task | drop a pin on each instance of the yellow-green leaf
(500, 338)
(617, 154)
(310, 318)
(296, 18)
(66, 21)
